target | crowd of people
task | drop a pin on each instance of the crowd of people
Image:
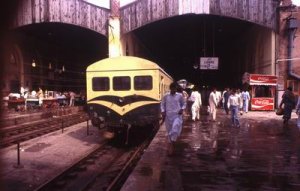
(180, 101)
(231, 100)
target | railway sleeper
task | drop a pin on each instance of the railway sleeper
(90, 161)
(82, 167)
(72, 175)
(60, 183)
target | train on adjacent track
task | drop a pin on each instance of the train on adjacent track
(125, 91)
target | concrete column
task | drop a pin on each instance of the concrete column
(114, 31)
(114, 35)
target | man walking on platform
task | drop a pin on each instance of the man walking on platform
(225, 97)
(246, 98)
(289, 102)
(172, 107)
(213, 104)
(196, 96)
(234, 103)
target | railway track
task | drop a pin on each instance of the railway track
(20, 133)
(105, 168)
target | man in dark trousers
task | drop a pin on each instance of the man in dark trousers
(288, 100)
(226, 95)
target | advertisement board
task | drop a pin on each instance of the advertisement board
(259, 79)
(262, 104)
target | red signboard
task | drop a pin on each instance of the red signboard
(259, 79)
(262, 103)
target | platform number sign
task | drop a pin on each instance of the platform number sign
(209, 63)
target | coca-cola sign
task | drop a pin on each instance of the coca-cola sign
(259, 79)
(262, 104)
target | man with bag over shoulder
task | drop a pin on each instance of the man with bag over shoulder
(288, 100)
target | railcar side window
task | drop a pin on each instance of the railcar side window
(143, 82)
(100, 83)
(121, 83)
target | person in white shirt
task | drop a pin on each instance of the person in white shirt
(172, 106)
(185, 96)
(234, 103)
(195, 108)
(218, 97)
(238, 92)
(246, 98)
(72, 98)
(40, 95)
(213, 104)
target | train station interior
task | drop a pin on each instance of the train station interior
(66, 126)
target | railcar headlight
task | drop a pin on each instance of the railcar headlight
(108, 112)
(121, 100)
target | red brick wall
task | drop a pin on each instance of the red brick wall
(285, 79)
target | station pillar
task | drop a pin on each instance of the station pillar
(114, 31)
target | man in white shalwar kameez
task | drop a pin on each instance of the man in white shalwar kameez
(218, 97)
(196, 104)
(213, 104)
(172, 107)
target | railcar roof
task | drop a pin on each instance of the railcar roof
(122, 63)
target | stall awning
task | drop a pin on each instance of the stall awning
(263, 80)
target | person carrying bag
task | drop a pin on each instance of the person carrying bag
(288, 100)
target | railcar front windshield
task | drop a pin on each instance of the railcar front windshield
(121, 83)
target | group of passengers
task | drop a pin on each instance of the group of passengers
(181, 101)
(230, 100)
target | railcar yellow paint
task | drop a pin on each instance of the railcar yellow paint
(131, 67)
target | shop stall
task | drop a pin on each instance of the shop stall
(16, 103)
(263, 89)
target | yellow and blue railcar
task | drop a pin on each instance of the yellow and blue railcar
(125, 91)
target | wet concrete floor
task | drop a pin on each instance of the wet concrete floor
(262, 154)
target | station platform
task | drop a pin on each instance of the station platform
(262, 154)
(44, 157)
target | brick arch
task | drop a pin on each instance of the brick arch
(76, 12)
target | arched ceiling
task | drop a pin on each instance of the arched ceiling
(177, 44)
